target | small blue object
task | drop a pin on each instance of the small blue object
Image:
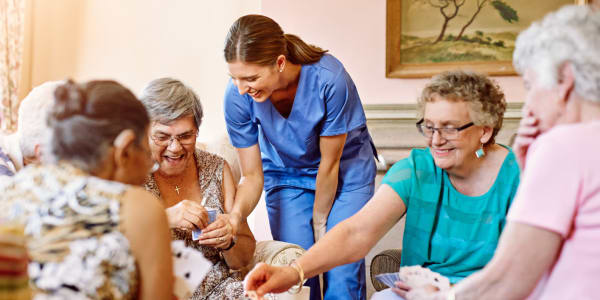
(480, 153)
(212, 216)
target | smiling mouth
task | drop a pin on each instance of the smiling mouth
(255, 94)
(172, 158)
(442, 151)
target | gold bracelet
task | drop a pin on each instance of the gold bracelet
(296, 289)
(451, 295)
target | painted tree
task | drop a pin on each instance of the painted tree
(507, 13)
(449, 10)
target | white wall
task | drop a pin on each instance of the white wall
(135, 41)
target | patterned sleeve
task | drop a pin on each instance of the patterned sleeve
(6, 166)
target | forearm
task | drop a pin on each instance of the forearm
(350, 244)
(241, 254)
(247, 196)
(326, 187)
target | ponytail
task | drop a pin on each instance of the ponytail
(299, 52)
(259, 40)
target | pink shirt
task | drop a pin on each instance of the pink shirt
(560, 192)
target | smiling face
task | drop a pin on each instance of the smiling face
(174, 156)
(454, 154)
(255, 80)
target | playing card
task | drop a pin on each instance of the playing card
(388, 279)
(417, 276)
(212, 216)
(189, 266)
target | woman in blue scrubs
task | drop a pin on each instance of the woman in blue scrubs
(295, 117)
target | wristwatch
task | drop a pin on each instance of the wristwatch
(233, 240)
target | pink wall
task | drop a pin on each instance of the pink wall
(354, 32)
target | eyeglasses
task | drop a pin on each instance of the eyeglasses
(448, 133)
(183, 139)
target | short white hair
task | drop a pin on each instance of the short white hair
(571, 34)
(32, 127)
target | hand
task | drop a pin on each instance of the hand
(265, 279)
(426, 292)
(401, 288)
(218, 234)
(527, 133)
(187, 215)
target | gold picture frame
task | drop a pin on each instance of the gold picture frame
(456, 45)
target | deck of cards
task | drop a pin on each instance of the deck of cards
(212, 216)
(415, 277)
(388, 279)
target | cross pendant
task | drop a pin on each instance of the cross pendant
(177, 189)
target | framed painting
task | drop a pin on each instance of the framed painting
(425, 37)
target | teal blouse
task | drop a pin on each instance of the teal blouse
(446, 231)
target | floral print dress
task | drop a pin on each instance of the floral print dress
(220, 282)
(73, 229)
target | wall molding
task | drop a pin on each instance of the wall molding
(392, 127)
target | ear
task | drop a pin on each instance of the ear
(38, 153)
(566, 82)
(123, 145)
(281, 60)
(487, 134)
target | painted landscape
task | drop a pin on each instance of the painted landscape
(442, 31)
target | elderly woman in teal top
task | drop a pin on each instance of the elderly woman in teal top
(296, 119)
(455, 193)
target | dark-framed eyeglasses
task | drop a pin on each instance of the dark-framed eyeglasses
(448, 133)
(183, 139)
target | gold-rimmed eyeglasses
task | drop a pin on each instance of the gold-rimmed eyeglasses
(448, 133)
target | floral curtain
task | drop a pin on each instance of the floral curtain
(12, 21)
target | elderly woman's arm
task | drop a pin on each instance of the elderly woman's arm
(524, 253)
(242, 252)
(145, 226)
(347, 242)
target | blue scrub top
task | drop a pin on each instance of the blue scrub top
(326, 104)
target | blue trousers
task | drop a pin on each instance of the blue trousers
(290, 212)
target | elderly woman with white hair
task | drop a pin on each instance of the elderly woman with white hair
(549, 249)
(26, 145)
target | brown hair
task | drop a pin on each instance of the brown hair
(86, 118)
(259, 40)
(484, 96)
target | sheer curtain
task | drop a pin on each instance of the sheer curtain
(12, 21)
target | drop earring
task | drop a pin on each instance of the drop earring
(480, 152)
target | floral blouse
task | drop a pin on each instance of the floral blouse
(74, 237)
(220, 282)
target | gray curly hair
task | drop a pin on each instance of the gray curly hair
(571, 34)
